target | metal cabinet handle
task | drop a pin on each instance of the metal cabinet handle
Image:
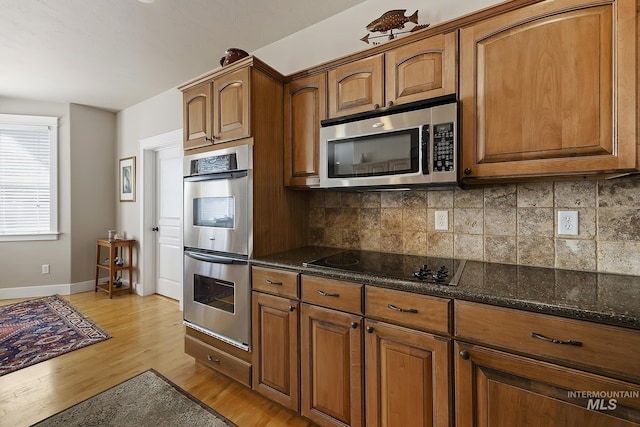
(390, 104)
(212, 359)
(212, 139)
(271, 282)
(555, 341)
(292, 308)
(467, 171)
(354, 325)
(464, 354)
(324, 294)
(402, 310)
(369, 329)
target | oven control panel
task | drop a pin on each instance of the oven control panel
(214, 164)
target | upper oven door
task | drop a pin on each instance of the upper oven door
(216, 211)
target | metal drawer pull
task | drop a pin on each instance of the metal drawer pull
(555, 341)
(402, 310)
(271, 282)
(212, 359)
(324, 294)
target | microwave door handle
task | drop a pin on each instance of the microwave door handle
(214, 259)
(216, 176)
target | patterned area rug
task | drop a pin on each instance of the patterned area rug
(41, 329)
(148, 399)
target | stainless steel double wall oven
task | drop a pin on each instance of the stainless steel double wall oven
(218, 243)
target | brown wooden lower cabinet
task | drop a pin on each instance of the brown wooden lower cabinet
(407, 377)
(275, 348)
(499, 389)
(331, 366)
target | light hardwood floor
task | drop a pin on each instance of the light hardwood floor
(147, 332)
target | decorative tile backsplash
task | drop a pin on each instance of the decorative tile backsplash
(512, 223)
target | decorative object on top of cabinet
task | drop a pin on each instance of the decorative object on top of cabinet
(550, 90)
(389, 21)
(415, 71)
(232, 55)
(305, 105)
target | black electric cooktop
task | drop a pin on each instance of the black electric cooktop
(441, 271)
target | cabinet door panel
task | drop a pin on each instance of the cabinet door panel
(275, 349)
(357, 86)
(421, 70)
(231, 105)
(331, 366)
(407, 377)
(540, 89)
(305, 106)
(489, 382)
(197, 116)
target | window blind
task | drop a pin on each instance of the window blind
(27, 175)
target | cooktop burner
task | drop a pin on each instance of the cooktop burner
(442, 271)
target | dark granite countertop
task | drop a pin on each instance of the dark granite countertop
(598, 297)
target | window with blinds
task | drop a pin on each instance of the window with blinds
(28, 178)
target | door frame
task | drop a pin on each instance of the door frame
(147, 255)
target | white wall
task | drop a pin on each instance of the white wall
(21, 263)
(154, 116)
(86, 149)
(92, 183)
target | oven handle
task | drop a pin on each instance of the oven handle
(216, 176)
(214, 259)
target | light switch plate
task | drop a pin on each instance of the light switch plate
(568, 223)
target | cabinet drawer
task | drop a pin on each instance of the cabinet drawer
(345, 296)
(216, 359)
(406, 308)
(277, 282)
(603, 348)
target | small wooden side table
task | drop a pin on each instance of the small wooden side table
(113, 283)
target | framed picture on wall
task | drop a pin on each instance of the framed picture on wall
(128, 179)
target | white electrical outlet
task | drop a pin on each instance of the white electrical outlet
(45, 268)
(442, 220)
(568, 223)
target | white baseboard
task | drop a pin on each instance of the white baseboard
(46, 290)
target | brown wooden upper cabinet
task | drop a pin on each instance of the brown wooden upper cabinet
(231, 118)
(197, 116)
(419, 70)
(217, 111)
(550, 90)
(305, 105)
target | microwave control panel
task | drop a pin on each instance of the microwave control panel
(443, 147)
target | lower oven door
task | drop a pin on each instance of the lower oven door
(217, 297)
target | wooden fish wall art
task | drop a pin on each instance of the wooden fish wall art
(389, 21)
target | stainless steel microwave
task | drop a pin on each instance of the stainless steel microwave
(397, 148)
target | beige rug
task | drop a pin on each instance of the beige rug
(148, 399)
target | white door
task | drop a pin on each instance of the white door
(168, 262)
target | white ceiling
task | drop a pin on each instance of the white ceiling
(112, 54)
